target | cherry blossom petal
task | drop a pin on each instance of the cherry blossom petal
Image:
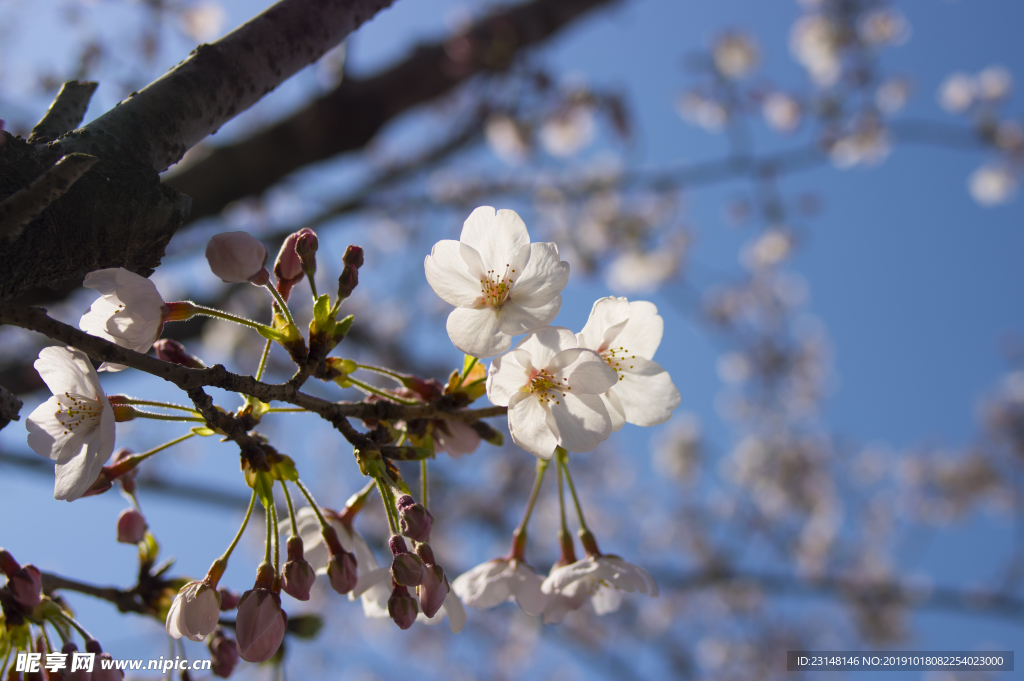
(485, 586)
(449, 276)
(48, 437)
(646, 393)
(74, 478)
(586, 370)
(514, 319)
(507, 375)
(496, 236)
(67, 370)
(543, 278)
(615, 410)
(477, 332)
(642, 335)
(544, 344)
(582, 422)
(607, 318)
(532, 425)
(606, 600)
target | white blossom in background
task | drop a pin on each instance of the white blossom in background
(735, 55)
(600, 579)
(769, 249)
(569, 131)
(991, 185)
(957, 92)
(677, 449)
(893, 94)
(814, 41)
(552, 389)
(639, 272)
(375, 590)
(883, 27)
(626, 335)
(508, 139)
(868, 145)
(129, 312)
(703, 111)
(994, 83)
(204, 21)
(781, 112)
(75, 427)
(500, 284)
(500, 580)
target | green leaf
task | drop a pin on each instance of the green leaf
(204, 431)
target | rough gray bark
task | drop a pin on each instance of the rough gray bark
(10, 405)
(24, 206)
(119, 214)
(348, 117)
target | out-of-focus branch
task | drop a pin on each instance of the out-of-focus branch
(66, 112)
(349, 116)
(126, 601)
(10, 405)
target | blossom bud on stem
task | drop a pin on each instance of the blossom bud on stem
(349, 278)
(406, 568)
(297, 575)
(402, 607)
(414, 519)
(172, 351)
(131, 526)
(223, 653)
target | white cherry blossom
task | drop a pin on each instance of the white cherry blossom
(626, 336)
(75, 427)
(735, 55)
(568, 132)
(500, 284)
(129, 312)
(599, 579)
(957, 92)
(781, 111)
(194, 612)
(992, 184)
(552, 389)
(500, 580)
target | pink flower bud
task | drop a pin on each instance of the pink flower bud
(228, 599)
(353, 257)
(223, 653)
(407, 569)
(415, 519)
(305, 247)
(342, 572)
(26, 586)
(288, 267)
(433, 590)
(297, 576)
(7, 563)
(131, 526)
(70, 649)
(194, 612)
(237, 257)
(402, 607)
(98, 671)
(172, 351)
(260, 625)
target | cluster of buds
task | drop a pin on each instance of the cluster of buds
(417, 570)
(24, 583)
(296, 259)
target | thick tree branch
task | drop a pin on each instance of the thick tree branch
(10, 405)
(349, 116)
(22, 207)
(66, 112)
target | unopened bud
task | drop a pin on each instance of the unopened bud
(297, 578)
(433, 590)
(131, 526)
(70, 649)
(260, 625)
(172, 351)
(223, 654)
(26, 586)
(353, 257)
(407, 569)
(342, 572)
(347, 282)
(305, 247)
(228, 599)
(237, 257)
(415, 519)
(402, 607)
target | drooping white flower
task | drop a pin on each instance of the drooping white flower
(883, 26)
(892, 95)
(626, 336)
(500, 580)
(735, 54)
(706, 112)
(815, 42)
(552, 389)
(595, 578)
(129, 313)
(194, 612)
(992, 184)
(75, 427)
(957, 92)
(500, 284)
